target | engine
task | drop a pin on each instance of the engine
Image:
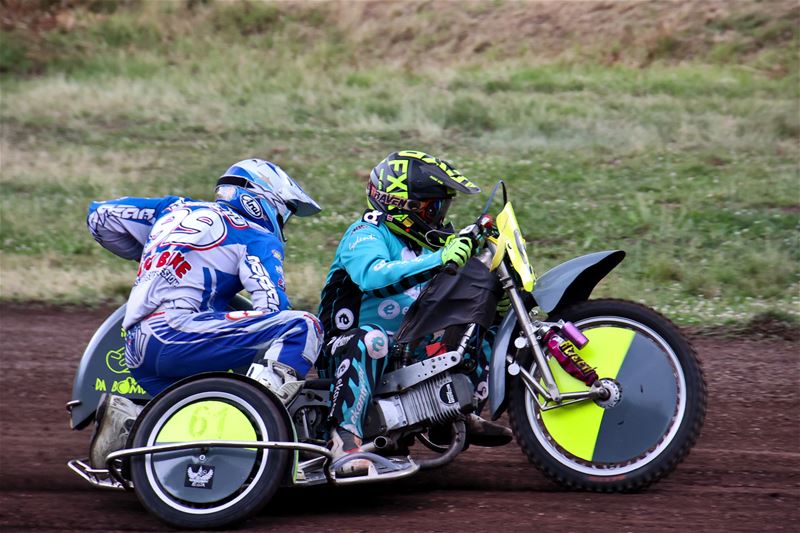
(436, 401)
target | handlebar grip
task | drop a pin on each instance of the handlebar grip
(451, 268)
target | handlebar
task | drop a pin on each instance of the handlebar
(477, 234)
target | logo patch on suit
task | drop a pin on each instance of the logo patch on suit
(388, 309)
(344, 319)
(252, 206)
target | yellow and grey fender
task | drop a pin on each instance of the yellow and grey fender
(237, 427)
(649, 396)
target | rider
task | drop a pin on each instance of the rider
(194, 257)
(383, 261)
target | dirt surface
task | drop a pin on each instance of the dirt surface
(743, 475)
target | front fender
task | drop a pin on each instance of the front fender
(559, 287)
(574, 280)
(497, 374)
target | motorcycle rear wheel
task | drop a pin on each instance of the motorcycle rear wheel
(639, 435)
(213, 487)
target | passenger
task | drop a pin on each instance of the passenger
(194, 257)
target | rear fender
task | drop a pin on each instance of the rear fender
(103, 369)
(287, 419)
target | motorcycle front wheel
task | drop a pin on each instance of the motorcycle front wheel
(209, 487)
(643, 430)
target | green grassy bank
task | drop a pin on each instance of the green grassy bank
(684, 153)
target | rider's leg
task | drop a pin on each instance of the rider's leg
(360, 356)
(165, 348)
(481, 432)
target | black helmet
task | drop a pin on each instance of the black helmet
(415, 189)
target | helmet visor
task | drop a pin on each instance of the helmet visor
(433, 211)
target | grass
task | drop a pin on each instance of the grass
(690, 166)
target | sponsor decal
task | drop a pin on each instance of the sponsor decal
(100, 385)
(342, 368)
(282, 283)
(360, 239)
(252, 206)
(115, 361)
(338, 342)
(239, 315)
(389, 309)
(394, 200)
(277, 255)
(379, 266)
(358, 408)
(261, 275)
(372, 217)
(569, 350)
(201, 477)
(377, 344)
(127, 386)
(359, 228)
(482, 391)
(447, 394)
(173, 262)
(344, 319)
(127, 212)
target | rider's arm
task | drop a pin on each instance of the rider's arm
(366, 257)
(122, 226)
(261, 274)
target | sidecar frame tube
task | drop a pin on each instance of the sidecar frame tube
(115, 473)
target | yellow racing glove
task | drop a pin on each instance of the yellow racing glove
(457, 250)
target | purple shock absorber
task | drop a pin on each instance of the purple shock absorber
(571, 332)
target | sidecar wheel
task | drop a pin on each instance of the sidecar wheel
(644, 430)
(212, 487)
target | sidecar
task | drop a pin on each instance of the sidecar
(213, 448)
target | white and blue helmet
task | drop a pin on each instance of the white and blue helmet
(263, 192)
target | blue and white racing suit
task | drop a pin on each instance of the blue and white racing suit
(374, 279)
(194, 257)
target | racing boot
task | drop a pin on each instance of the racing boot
(277, 377)
(343, 444)
(114, 419)
(481, 432)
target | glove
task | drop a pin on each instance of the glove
(457, 250)
(503, 305)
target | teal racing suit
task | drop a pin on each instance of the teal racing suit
(375, 277)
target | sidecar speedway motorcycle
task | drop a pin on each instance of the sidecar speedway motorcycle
(603, 395)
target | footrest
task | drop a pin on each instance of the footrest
(382, 468)
(99, 477)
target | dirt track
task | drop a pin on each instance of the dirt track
(743, 474)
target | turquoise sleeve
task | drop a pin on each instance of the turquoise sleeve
(366, 256)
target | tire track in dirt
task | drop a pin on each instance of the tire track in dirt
(743, 474)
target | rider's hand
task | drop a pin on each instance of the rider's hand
(457, 250)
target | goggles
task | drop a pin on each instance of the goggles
(431, 211)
